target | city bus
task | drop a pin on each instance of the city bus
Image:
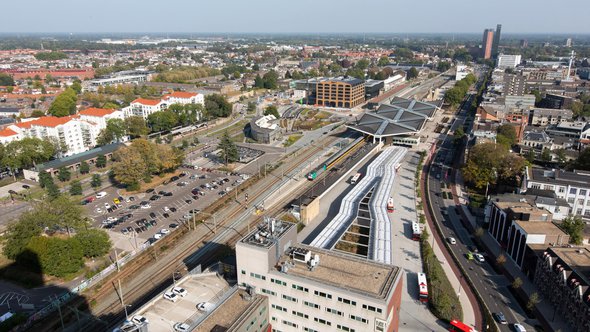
(423, 287)
(458, 326)
(416, 231)
(355, 178)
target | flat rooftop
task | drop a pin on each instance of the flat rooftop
(540, 227)
(229, 312)
(163, 314)
(344, 271)
(578, 259)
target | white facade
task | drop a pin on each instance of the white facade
(462, 72)
(184, 98)
(74, 134)
(508, 61)
(143, 107)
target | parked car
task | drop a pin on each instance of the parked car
(139, 320)
(164, 231)
(174, 178)
(107, 206)
(168, 194)
(173, 226)
(171, 296)
(124, 231)
(182, 184)
(101, 194)
(116, 201)
(129, 229)
(155, 197)
(147, 206)
(138, 230)
(172, 209)
(205, 306)
(165, 215)
(134, 207)
(179, 291)
(151, 190)
(166, 209)
(161, 192)
(153, 222)
(152, 215)
(157, 236)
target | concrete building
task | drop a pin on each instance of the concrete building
(312, 289)
(508, 61)
(563, 278)
(574, 187)
(75, 133)
(265, 129)
(144, 107)
(344, 92)
(373, 88)
(496, 44)
(487, 43)
(461, 72)
(184, 98)
(549, 116)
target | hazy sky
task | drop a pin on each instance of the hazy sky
(516, 16)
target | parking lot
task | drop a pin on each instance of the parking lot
(162, 313)
(150, 215)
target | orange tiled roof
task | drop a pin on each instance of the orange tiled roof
(6, 132)
(151, 102)
(99, 112)
(180, 94)
(47, 121)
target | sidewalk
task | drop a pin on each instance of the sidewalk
(544, 309)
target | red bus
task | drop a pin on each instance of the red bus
(458, 326)
(423, 287)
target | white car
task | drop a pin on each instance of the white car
(164, 231)
(111, 219)
(205, 306)
(181, 327)
(101, 194)
(452, 240)
(479, 257)
(166, 209)
(157, 236)
(98, 210)
(179, 291)
(139, 320)
(107, 206)
(519, 328)
(147, 206)
(171, 296)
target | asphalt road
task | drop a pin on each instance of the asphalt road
(492, 287)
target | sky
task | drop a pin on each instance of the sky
(285, 16)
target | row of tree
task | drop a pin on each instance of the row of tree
(455, 95)
(184, 74)
(26, 153)
(137, 163)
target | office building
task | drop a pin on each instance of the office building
(574, 187)
(568, 42)
(496, 44)
(486, 46)
(524, 43)
(345, 92)
(508, 61)
(313, 289)
(562, 276)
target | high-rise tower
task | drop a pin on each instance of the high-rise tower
(486, 48)
(496, 43)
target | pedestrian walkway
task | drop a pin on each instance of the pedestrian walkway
(544, 308)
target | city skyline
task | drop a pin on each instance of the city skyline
(263, 16)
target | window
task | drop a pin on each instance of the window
(288, 323)
(582, 192)
(561, 189)
(570, 200)
(307, 329)
(579, 212)
(359, 319)
(322, 294)
(300, 314)
(312, 305)
(269, 292)
(300, 288)
(344, 328)
(334, 311)
(289, 298)
(278, 282)
(573, 191)
(581, 201)
(322, 321)
(257, 276)
(278, 307)
(346, 301)
(244, 272)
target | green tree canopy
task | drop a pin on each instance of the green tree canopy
(583, 160)
(64, 174)
(217, 106)
(229, 150)
(506, 135)
(75, 188)
(489, 163)
(101, 161)
(136, 126)
(114, 131)
(162, 120)
(6, 80)
(27, 152)
(94, 242)
(574, 226)
(412, 73)
(383, 61)
(64, 104)
(96, 182)
(272, 110)
(51, 56)
(84, 168)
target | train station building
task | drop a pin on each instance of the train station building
(397, 120)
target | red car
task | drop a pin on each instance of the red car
(90, 199)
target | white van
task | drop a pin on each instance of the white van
(519, 328)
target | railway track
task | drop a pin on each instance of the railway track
(135, 277)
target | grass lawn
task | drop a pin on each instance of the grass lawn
(291, 140)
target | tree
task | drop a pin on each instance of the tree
(383, 61)
(583, 160)
(272, 110)
(443, 66)
(84, 168)
(37, 114)
(270, 79)
(217, 106)
(412, 73)
(453, 96)
(356, 72)
(113, 132)
(229, 150)
(136, 126)
(75, 188)
(162, 121)
(6, 80)
(77, 87)
(506, 134)
(64, 174)
(458, 134)
(101, 161)
(94, 242)
(546, 155)
(574, 226)
(501, 259)
(517, 283)
(57, 257)
(19, 233)
(64, 104)
(533, 301)
(96, 182)
(27, 152)
(560, 155)
(258, 81)
(129, 168)
(530, 156)
(488, 162)
(44, 179)
(52, 190)
(251, 107)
